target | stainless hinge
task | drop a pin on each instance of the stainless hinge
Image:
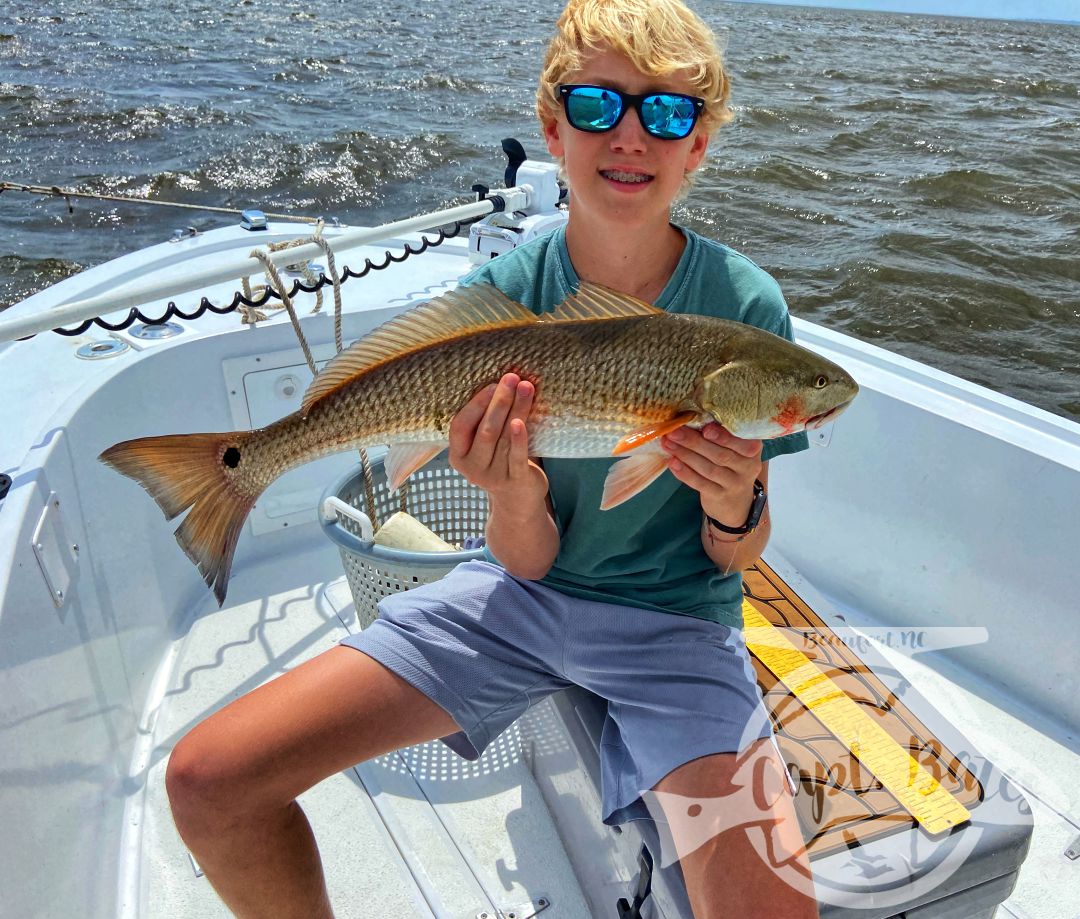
(1073, 851)
(57, 556)
(523, 911)
(821, 436)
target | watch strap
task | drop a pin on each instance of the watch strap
(753, 518)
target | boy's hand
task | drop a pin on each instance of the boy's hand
(489, 444)
(719, 466)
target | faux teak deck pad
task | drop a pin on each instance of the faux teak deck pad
(845, 774)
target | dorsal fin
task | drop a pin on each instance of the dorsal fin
(461, 311)
(592, 301)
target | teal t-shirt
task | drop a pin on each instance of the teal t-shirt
(647, 551)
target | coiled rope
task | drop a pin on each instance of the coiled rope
(249, 314)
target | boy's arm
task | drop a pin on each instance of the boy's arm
(722, 469)
(523, 538)
(489, 445)
(735, 553)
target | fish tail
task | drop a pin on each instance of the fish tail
(182, 471)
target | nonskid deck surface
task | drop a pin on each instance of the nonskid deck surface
(417, 833)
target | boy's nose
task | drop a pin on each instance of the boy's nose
(628, 136)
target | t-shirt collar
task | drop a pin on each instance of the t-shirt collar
(668, 296)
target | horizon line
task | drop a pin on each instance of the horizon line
(886, 8)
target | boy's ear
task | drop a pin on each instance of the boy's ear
(697, 151)
(552, 137)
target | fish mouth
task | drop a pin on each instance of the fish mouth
(816, 421)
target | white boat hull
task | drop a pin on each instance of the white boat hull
(931, 503)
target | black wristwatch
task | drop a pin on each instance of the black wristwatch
(757, 508)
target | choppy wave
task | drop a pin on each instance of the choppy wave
(23, 274)
(914, 181)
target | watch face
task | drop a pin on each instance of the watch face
(758, 507)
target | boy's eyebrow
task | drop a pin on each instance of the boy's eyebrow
(621, 87)
(597, 81)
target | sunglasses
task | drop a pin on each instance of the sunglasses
(669, 116)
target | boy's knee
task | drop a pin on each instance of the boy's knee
(207, 787)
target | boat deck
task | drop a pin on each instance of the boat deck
(424, 833)
(418, 833)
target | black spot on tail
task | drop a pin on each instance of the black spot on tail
(231, 457)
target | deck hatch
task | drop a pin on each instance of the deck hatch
(840, 803)
(893, 766)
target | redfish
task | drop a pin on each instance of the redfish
(612, 375)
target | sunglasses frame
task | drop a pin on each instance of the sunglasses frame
(629, 101)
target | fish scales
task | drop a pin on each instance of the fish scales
(577, 368)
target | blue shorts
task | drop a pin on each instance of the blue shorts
(485, 645)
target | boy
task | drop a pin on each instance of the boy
(641, 603)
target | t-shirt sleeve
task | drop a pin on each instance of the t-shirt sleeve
(481, 274)
(518, 274)
(768, 310)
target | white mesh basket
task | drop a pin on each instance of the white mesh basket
(439, 497)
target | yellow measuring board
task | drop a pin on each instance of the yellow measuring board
(915, 788)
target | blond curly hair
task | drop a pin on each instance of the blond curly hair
(658, 36)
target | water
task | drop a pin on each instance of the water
(912, 181)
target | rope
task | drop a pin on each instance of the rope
(54, 191)
(249, 315)
(271, 270)
(369, 489)
(252, 315)
(331, 267)
(365, 462)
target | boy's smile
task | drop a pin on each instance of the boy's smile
(626, 178)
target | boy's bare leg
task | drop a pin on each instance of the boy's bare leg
(732, 819)
(234, 779)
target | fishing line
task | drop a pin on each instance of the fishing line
(55, 191)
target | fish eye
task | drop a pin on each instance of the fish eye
(821, 382)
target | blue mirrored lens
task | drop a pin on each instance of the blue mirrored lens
(667, 116)
(591, 108)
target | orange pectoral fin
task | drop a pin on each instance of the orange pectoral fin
(403, 460)
(630, 475)
(651, 432)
